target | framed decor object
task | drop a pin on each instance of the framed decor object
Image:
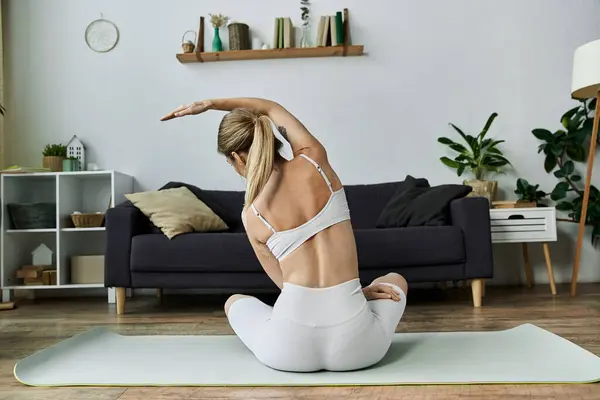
(102, 35)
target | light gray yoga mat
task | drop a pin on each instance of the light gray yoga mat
(525, 354)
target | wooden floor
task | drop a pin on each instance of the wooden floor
(34, 326)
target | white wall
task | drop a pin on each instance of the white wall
(429, 62)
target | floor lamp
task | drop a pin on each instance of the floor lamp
(586, 85)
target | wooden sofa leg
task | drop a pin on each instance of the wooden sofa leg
(477, 289)
(121, 296)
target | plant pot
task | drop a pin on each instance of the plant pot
(71, 165)
(487, 189)
(53, 163)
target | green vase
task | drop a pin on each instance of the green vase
(71, 165)
(217, 45)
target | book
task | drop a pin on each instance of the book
(276, 34)
(19, 169)
(333, 27)
(320, 31)
(280, 41)
(325, 41)
(287, 33)
(339, 26)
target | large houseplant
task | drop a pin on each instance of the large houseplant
(480, 156)
(562, 149)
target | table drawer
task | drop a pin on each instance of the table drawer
(523, 225)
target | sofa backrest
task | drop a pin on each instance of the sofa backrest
(230, 206)
(365, 202)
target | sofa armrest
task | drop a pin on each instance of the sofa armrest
(123, 222)
(472, 216)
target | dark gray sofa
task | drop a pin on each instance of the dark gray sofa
(138, 255)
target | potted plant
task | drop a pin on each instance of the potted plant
(564, 149)
(71, 164)
(217, 21)
(529, 195)
(480, 156)
(54, 154)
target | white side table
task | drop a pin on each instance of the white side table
(526, 225)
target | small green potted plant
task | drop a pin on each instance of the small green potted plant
(480, 156)
(529, 195)
(54, 154)
(71, 164)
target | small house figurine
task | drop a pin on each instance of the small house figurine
(42, 255)
(76, 149)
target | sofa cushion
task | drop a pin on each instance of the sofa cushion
(177, 211)
(231, 252)
(417, 205)
(409, 247)
(367, 201)
(194, 252)
(226, 204)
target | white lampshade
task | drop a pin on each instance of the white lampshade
(585, 83)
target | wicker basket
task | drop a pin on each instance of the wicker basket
(239, 37)
(32, 215)
(87, 220)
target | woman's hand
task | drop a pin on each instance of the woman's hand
(380, 291)
(194, 108)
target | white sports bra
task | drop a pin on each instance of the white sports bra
(283, 243)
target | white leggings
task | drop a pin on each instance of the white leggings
(312, 329)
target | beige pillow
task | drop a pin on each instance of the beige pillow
(176, 211)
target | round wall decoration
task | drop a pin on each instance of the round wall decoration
(102, 35)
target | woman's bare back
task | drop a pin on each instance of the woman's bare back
(295, 193)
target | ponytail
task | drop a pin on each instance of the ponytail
(261, 157)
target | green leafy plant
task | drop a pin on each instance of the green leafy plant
(480, 155)
(55, 150)
(529, 192)
(72, 158)
(562, 149)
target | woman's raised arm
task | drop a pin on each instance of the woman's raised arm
(297, 135)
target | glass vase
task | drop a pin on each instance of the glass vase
(304, 39)
(217, 45)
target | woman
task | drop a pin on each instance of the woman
(298, 223)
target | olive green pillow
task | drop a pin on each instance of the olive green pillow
(176, 211)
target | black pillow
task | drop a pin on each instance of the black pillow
(420, 205)
(403, 195)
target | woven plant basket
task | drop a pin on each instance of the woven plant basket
(239, 37)
(32, 215)
(53, 163)
(487, 189)
(87, 220)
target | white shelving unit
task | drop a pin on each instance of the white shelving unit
(84, 191)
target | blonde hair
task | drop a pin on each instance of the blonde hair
(244, 130)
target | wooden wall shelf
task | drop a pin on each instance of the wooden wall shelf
(337, 51)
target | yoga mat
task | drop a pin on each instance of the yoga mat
(525, 354)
